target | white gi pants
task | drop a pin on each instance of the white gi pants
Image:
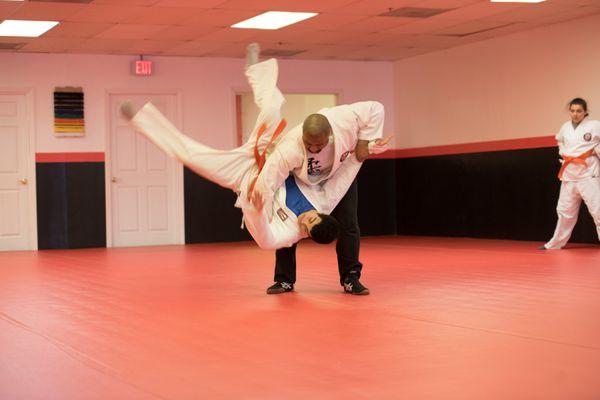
(569, 201)
(233, 169)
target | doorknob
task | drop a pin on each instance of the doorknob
(23, 181)
(114, 179)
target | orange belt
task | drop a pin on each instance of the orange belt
(580, 159)
(262, 158)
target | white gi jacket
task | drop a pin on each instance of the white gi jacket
(573, 142)
(349, 123)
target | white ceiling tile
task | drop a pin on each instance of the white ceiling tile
(13, 39)
(531, 12)
(376, 39)
(110, 46)
(325, 21)
(376, 24)
(77, 29)
(51, 45)
(389, 53)
(183, 33)
(282, 46)
(8, 7)
(162, 15)
(141, 3)
(235, 50)
(328, 52)
(130, 31)
(195, 48)
(447, 3)
(373, 7)
(230, 35)
(479, 10)
(189, 3)
(425, 26)
(147, 47)
(470, 27)
(311, 37)
(218, 17)
(105, 13)
(423, 41)
(46, 11)
(285, 5)
(580, 12)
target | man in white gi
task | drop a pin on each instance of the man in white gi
(300, 209)
(315, 154)
(579, 148)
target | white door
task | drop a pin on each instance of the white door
(297, 106)
(15, 216)
(145, 184)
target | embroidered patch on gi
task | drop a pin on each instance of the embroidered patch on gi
(282, 214)
(587, 137)
(345, 155)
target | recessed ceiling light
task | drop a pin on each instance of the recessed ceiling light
(517, 1)
(274, 20)
(14, 27)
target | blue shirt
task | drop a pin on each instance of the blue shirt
(294, 199)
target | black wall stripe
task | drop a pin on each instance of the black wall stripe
(71, 205)
(210, 215)
(499, 195)
(377, 200)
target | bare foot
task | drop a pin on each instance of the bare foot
(252, 53)
(127, 110)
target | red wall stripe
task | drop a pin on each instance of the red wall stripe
(477, 147)
(68, 157)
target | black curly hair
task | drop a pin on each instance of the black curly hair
(325, 231)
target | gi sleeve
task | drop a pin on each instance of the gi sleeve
(560, 140)
(370, 116)
(596, 138)
(280, 163)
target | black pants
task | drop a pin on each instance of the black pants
(347, 247)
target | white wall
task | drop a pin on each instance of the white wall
(207, 87)
(511, 87)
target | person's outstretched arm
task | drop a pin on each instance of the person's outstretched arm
(370, 116)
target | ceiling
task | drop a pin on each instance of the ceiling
(344, 29)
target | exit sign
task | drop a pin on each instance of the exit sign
(142, 67)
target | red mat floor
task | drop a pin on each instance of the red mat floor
(446, 319)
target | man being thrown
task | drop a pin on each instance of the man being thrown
(300, 209)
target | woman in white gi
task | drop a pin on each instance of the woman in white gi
(579, 148)
(299, 209)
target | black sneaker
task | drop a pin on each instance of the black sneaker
(353, 286)
(280, 287)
